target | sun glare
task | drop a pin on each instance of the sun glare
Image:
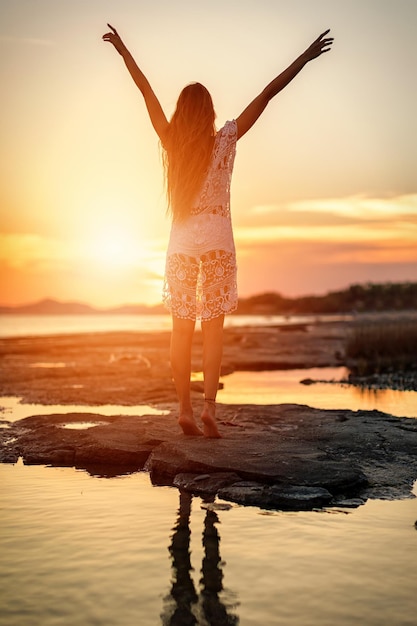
(114, 249)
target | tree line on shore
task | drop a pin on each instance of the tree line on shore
(359, 298)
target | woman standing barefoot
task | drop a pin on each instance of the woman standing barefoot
(200, 274)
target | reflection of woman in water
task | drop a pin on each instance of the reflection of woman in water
(200, 276)
(184, 606)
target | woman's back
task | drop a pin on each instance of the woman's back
(200, 275)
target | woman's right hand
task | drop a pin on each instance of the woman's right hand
(319, 46)
(114, 38)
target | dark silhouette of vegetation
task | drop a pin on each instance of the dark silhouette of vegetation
(370, 297)
(382, 347)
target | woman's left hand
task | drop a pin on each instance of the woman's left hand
(115, 39)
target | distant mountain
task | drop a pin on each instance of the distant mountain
(356, 298)
(48, 306)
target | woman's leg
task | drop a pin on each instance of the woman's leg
(212, 358)
(181, 342)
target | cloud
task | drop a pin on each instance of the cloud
(388, 232)
(337, 211)
(342, 220)
(27, 41)
(319, 245)
(34, 266)
(362, 208)
(29, 250)
(322, 244)
(33, 252)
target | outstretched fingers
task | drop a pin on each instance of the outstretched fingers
(318, 38)
(325, 43)
(115, 31)
(113, 37)
(319, 45)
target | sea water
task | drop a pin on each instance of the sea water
(84, 551)
(35, 325)
(286, 387)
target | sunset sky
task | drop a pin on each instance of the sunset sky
(324, 192)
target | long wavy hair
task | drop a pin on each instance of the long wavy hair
(187, 148)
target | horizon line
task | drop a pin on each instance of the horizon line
(241, 298)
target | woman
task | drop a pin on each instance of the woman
(200, 276)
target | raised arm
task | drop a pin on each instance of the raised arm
(248, 117)
(158, 118)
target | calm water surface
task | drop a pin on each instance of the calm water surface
(21, 325)
(271, 387)
(82, 550)
(283, 386)
(78, 550)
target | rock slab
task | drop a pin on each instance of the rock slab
(276, 456)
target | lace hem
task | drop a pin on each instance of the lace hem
(223, 305)
(202, 288)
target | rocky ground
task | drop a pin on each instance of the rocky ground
(282, 456)
(133, 368)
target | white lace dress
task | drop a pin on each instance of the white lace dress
(200, 272)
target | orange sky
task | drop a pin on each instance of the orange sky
(324, 191)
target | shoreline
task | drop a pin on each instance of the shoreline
(131, 368)
(131, 359)
(275, 456)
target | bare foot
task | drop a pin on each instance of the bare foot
(188, 425)
(209, 420)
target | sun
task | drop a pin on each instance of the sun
(114, 248)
